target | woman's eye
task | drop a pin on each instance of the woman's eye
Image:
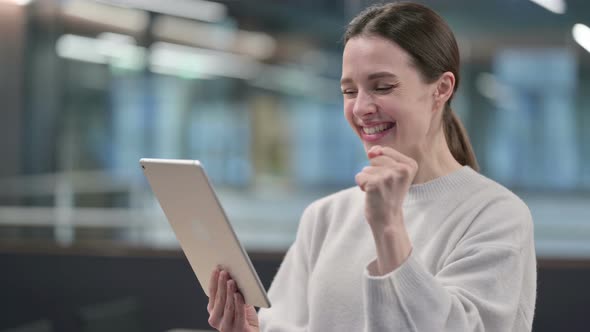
(348, 92)
(384, 88)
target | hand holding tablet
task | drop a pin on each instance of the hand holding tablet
(201, 226)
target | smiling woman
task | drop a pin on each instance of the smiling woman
(424, 242)
(417, 80)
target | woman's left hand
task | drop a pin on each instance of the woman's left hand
(386, 182)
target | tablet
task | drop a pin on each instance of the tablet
(201, 225)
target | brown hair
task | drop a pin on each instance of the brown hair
(429, 41)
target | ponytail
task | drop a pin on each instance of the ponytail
(458, 140)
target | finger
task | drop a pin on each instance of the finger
(364, 175)
(372, 169)
(240, 319)
(392, 171)
(212, 289)
(383, 160)
(408, 166)
(227, 322)
(396, 155)
(374, 151)
(220, 296)
(366, 181)
(221, 286)
(361, 179)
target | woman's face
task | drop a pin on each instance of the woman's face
(386, 101)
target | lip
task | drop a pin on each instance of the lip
(374, 137)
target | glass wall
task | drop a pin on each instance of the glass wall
(252, 90)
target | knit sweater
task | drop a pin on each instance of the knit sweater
(472, 266)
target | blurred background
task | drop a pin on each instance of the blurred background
(251, 88)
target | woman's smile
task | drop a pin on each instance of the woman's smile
(374, 132)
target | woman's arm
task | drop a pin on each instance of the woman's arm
(478, 289)
(385, 183)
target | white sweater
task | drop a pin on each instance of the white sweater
(472, 267)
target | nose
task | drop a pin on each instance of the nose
(364, 105)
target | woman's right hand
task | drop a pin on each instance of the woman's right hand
(227, 310)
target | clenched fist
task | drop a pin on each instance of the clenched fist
(386, 182)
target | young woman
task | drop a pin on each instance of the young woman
(424, 242)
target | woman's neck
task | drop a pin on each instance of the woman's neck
(436, 161)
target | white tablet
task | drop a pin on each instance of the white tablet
(201, 226)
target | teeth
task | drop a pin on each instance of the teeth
(377, 129)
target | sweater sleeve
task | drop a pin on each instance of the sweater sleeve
(477, 289)
(288, 292)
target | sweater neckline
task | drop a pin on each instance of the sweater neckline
(441, 186)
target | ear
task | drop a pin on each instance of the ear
(444, 89)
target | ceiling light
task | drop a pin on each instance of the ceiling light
(201, 10)
(581, 33)
(555, 6)
(17, 2)
(189, 61)
(127, 19)
(258, 45)
(109, 48)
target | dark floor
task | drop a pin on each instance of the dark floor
(156, 290)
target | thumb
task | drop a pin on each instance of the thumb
(251, 316)
(374, 151)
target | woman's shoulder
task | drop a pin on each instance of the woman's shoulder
(463, 188)
(493, 193)
(498, 210)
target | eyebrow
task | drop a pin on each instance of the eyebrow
(373, 76)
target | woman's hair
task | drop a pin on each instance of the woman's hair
(429, 41)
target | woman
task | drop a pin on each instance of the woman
(424, 242)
